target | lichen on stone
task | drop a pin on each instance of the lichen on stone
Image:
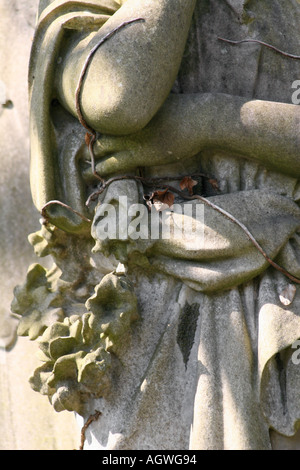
(80, 324)
(76, 364)
(77, 352)
(37, 302)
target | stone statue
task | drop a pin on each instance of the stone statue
(180, 343)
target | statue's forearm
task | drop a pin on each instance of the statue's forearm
(131, 74)
(263, 131)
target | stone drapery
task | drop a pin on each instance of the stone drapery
(209, 364)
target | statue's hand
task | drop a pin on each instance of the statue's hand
(187, 124)
(173, 134)
(119, 154)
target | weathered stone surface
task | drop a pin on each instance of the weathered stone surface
(201, 345)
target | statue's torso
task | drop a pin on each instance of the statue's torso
(248, 70)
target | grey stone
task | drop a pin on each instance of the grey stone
(191, 338)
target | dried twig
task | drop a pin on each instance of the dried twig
(89, 421)
(91, 137)
(249, 235)
(209, 203)
(91, 132)
(151, 182)
(62, 204)
(265, 44)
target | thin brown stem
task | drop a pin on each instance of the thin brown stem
(89, 421)
(91, 131)
(265, 44)
(207, 202)
(62, 204)
(157, 181)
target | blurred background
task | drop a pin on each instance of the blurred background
(27, 420)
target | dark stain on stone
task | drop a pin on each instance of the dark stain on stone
(186, 329)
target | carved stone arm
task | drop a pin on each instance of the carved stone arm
(131, 75)
(263, 131)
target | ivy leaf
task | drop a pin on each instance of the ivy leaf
(188, 183)
(162, 199)
(214, 184)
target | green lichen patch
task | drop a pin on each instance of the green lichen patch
(77, 352)
(37, 303)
